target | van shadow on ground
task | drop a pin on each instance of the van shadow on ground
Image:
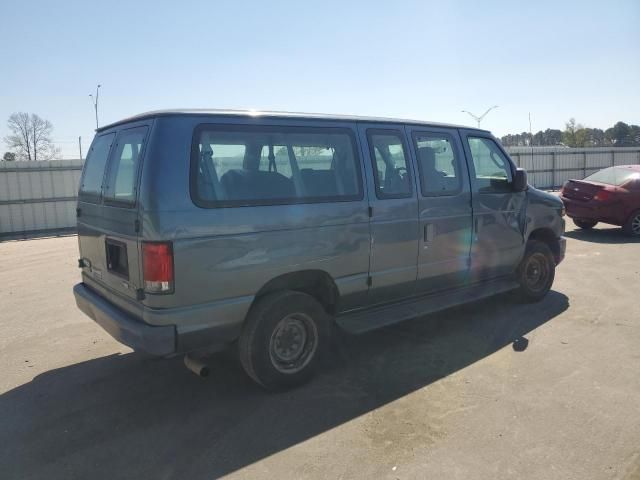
(130, 416)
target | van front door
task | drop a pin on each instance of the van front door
(394, 213)
(498, 212)
(445, 216)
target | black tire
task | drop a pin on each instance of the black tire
(632, 227)
(584, 224)
(536, 272)
(283, 338)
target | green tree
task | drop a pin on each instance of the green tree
(552, 136)
(620, 135)
(594, 137)
(574, 134)
(634, 135)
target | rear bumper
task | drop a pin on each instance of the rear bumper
(164, 331)
(576, 209)
(588, 211)
(122, 326)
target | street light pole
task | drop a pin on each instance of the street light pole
(95, 102)
(479, 118)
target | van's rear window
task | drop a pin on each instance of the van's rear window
(124, 163)
(235, 165)
(94, 166)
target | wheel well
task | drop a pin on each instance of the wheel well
(316, 283)
(631, 215)
(547, 236)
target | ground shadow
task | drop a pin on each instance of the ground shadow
(38, 234)
(610, 235)
(131, 416)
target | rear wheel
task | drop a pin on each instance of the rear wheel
(282, 339)
(536, 272)
(632, 227)
(584, 224)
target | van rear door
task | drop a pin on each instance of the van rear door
(108, 211)
(393, 261)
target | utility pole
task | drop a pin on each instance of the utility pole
(94, 100)
(80, 147)
(479, 118)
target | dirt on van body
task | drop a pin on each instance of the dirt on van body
(490, 390)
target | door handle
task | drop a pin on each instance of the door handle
(429, 232)
(477, 226)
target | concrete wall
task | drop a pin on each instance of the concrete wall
(38, 197)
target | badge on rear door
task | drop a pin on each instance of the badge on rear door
(96, 273)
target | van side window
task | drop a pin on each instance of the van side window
(438, 164)
(247, 165)
(121, 186)
(391, 171)
(95, 164)
(492, 168)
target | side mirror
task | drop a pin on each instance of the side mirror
(520, 180)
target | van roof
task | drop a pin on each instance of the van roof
(272, 114)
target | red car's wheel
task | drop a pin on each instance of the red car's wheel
(632, 227)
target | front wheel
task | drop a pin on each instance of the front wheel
(536, 272)
(584, 224)
(282, 339)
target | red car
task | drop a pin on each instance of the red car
(610, 196)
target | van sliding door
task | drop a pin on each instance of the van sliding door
(394, 212)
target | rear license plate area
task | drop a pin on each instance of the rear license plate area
(117, 260)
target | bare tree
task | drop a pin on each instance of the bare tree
(30, 137)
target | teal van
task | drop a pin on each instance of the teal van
(204, 229)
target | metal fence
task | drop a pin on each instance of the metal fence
(38, 197)
(550, 167)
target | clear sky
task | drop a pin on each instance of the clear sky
(416, 59)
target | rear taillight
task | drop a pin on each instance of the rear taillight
(603, 196)
(157, 267)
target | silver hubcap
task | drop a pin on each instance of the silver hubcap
(635, 225)
(293, 343)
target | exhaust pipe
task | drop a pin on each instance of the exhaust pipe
(196, 365)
